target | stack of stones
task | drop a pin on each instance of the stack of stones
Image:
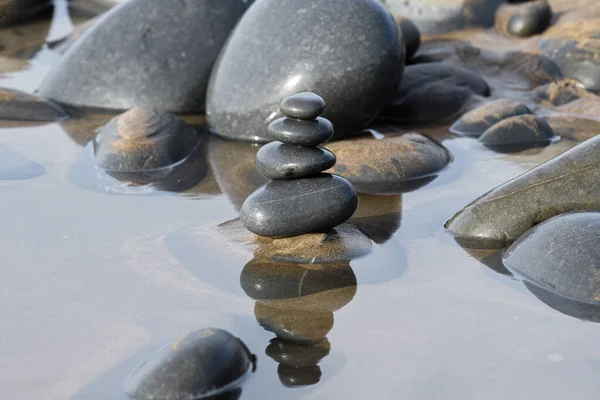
(300, 199)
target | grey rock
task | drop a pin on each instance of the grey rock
(477, 121)
(562, 256)
(15, 166)
(518, 130)
(295, 207)
(16, 105)
(569, 182)
(301, 133)
(203, 363)
(349, 53)
(305, 105)
(524, 20)
(277, 160)
(163, 60)
(411, 36)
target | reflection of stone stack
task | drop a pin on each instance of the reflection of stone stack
(300, 199)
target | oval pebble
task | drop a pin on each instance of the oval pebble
(278, 160)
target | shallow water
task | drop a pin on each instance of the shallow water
(92, 281)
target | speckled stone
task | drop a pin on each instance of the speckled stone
(477, 121)
(163, 60)
(561, 255)
(524, 20)
(305, 105)
(298, 206)
(411, 36)
(282, 47)
(15, 166)
(278, 160)
(517, 130)
(16, 105)
(569, 182)
(201, 363)
(300, 132)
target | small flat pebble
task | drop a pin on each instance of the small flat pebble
(477, 121)
(277, 160)
(301, 133)
(305, 105)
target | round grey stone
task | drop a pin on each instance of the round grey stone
(278, 160)
(301, 133)
(298, 206)
(477, 121)
(305, 105)
(530, 19)
(520, 129)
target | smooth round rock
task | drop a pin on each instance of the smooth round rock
(561, 255)
(163, 60)
(411, 36)
(200, 364)
(477, 121)
(301, 132)
(278, 160)
(524, 20)
(385, 165)
(295, 207)
(521, 129)
(297, 355)
(305, 105)
(16, 105)
(349, 52)
(15, 166)
(295, 326)
(143, 139)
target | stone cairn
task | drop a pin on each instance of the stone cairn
(300, 198)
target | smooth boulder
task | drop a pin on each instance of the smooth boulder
(477, 121)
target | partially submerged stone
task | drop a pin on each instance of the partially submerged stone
(17, 105)
(298, 362)
(573, 127)
(522, 131)
(477, 121)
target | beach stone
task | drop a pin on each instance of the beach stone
(376, 166)
(17, 105)
(379, 217)
(19, 11)
(477, 121)
(305, 105)
(277, 160)
(294, 325)
(561, 92)
(295, 207)
(518, 130)
(143, 139)
(201, 363)
(349, 53)
(15, 166)
(561, 255)
(163, 60)
(300, 132)
(434, 92)
(411, 36)
(524, 19)
(568, 182)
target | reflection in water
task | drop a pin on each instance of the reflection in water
(379, 217)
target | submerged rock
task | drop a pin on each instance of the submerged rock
(562, 256)
(15, 166)
(282, 47)
(520, 130)
(379, 217)
(569, 182)
(298, 362)
(477, 121)
(163, 60)
(16, 105)
(205, 362)
(524, 20)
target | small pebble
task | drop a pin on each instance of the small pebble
(278, 160)
(300, 132)
(305, 105)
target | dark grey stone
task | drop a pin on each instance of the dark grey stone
(518, 130)
(561, 255)
(278, 160)
(305, 105)
(301, 133)
(298, 206)
(569, 182)
(16, 105)
(15, 166)
(142, 53)
(411, 36)
(19, 11)
(293, 377)
(200, 364)
(524, 20)
(477, 121)
(282, 47)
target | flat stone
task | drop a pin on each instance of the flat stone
(386, 165)
(355, 75)
(295, 326)
(17, 105)
(518, 130)
(569, 182)
(477, 121)
(434, 92)
(15, 166)
(295, 207)
(205, 362)
(295, 377)
(297, 355)
(305, 105)
(525, 19)
(277, 160)
(561, 255)
(163, 60)
(301, 133)
(411, 36)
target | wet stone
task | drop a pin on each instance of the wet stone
(573, 127)
(300, 132)
(297, 355)
(306, 106)
(561, 92)
(568, 182)
(16, 105)
(257, 69)
(144, 139)
(387, 165)
(518, 130)
(15, 166)
(561, 255)
(477, 121)
(411, 36)
(295, 207)
(277, 160)
(202, 363)
(294, 377)
(524, 20)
